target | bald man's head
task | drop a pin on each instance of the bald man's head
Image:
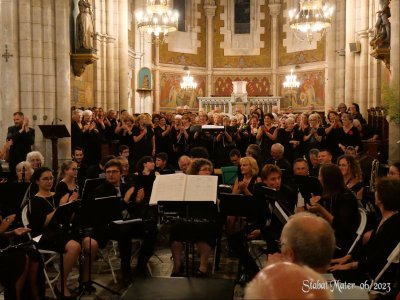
(287, 281)
(308, 240)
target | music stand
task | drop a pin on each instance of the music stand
(188, 213)
(53, 133)
(237, 205)
(105, 210)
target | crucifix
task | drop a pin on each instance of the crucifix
(6, 54)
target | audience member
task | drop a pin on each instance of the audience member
(286, 281)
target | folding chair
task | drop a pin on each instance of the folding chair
(51, 254)
(393, 258)
(360, 229)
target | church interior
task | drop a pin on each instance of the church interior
(200, 63)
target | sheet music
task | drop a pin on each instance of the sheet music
(201, 187)
(169, 187)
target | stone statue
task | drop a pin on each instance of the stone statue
(84, 26)
(381, 38)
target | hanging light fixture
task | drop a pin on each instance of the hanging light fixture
(158, 19)
(291, 81)
(312, 20)
(188, 82)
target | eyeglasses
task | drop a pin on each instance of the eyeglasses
(113, 172)
(47, 178)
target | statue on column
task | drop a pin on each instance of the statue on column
(381, 38)
(84, 27)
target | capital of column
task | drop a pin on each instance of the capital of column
(274, 9)
(209, 9)
(363, 34)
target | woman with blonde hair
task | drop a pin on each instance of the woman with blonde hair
(247, 178)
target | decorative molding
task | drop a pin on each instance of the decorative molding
(80, 61)
(242, 44)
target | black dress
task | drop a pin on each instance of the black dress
(12, 264)
(349, 138)
(53, 238)
(344, 208)
(144, 147)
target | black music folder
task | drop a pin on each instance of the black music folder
(237, 205)
(54, 131)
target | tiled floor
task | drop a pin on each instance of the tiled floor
(160, 265)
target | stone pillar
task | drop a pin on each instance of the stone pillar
(9, 75)
(362, 96)
(274, 10)
(394, 129)
(330, 69)
(62, 67)
(340, 26)
(123, 55)
(157, 79)
(110, 39)
(25, 56)
(350, 38)
(209, 9)
(363, 69)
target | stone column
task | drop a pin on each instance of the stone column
(274, 10)
(330, 68)
(340, 26)
(363, 69)
(350, 38)
(394, 129)
(25, 56)
(209, 10)
(9, 66)
(123, 55)
(62, 67)
(362, 34)
(157, 79)
(110, 39)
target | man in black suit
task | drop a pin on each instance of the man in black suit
(104, 229)
(22, 137)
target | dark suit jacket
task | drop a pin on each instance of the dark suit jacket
(22, 143)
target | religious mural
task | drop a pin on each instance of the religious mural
(171, 94)
(310, 92)
(256, 85)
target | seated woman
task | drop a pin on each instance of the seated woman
(141, 192)
(24, 172)
(368, 261)
(16, 266)
(202, 233)
(352, 175)
(244, 185)
(40, 213)
(338, 205)
(394, 170)
(35, 158)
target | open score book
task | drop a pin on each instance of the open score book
(182, 187)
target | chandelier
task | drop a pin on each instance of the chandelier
(312, 20)
(291, 81)
(158, 19)
(188, 82)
